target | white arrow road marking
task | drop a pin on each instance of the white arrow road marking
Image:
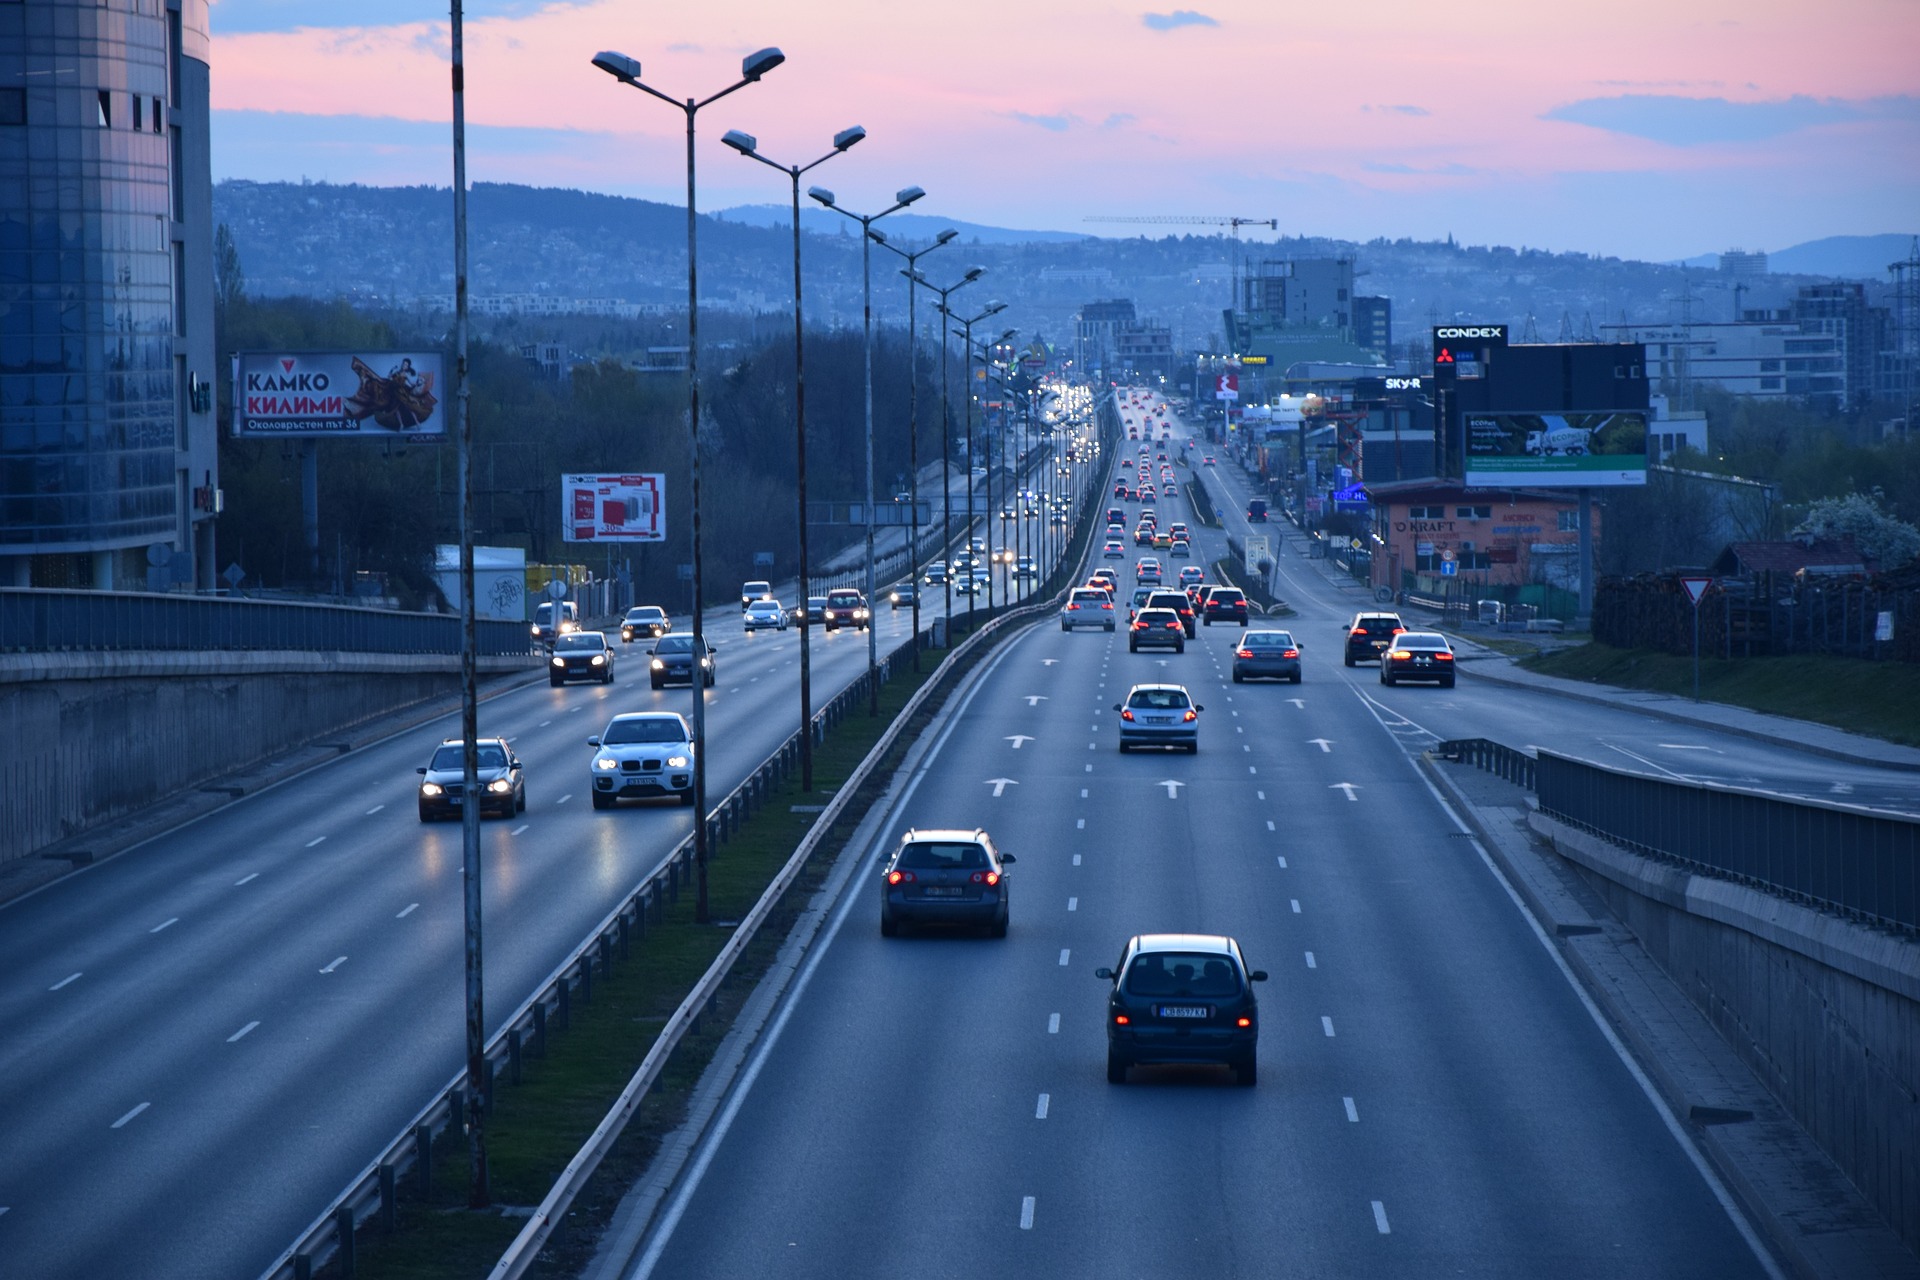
(1035, 699)
(338, 961)
(1001, 784)
(1325, 744)
(1298, 702)
(1347, 787)
(1019, 739)
(1173, 787)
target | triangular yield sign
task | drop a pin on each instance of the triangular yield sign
(1696, 587)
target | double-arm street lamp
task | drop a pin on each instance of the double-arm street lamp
(913, 414)
(627, 71)
(747, 146)
(901, 199)
(965, 333)
(946, 418)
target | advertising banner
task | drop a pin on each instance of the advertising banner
(1568, 449)
(625, 508)
(370, 394)
(1226, 386)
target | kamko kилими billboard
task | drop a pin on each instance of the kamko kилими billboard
(1564, 449)
(379, 394)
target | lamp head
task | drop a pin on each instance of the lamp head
(878, 235)
(974, 273)
(907, 195)
(944, 236)
(993, 308)
(744, 143)
(618, 65)
(847, 137)
(821, 194)
(755, 65)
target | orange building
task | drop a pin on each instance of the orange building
(1491, 537)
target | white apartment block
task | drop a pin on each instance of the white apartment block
(1764, 359)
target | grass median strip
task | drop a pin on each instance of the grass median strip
(537, 1126)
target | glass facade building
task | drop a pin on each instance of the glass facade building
(107, 440)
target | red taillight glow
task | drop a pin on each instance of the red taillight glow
(1191, 714)
(1126, 715)
(1401, 655)
(1244, 653)
(1072, 608)
(1107, 605)
(899, 877)
(1443, 657)
(1399, 631)
(988, 878)
(1243, 1022)
(1121, 1020)
(1358, 631)
(1174, 625)
(1291, 653)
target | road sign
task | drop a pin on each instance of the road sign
(1449, 568)
(1696, 588)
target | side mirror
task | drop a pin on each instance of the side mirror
(594, 741)
(1118, 707)
(1007, 859)
(1104, 973)
(1197, 707)
(712, 649)
(421, 769)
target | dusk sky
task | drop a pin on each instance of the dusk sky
(1652, 129)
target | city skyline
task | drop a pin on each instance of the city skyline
(1650, 134)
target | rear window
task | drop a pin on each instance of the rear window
(1175, 600)
(1159, 699)
(1089, 595)
(1181, 973)
(1226, 595)
(1267, 640)
(1420, 642)
(937, 855)
(1379, 623)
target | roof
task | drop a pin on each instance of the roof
(946, 834)
(1819, 555)
(1205, 942)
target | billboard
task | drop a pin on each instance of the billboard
(626, 508)
(1226, 386)
(1566, 449)
(371, 394)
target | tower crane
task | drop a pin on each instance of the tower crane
(1200, 220)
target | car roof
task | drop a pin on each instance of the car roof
(650, 715)
(1205, 942)
(454, 742)
(1139, 688)
(931, 834)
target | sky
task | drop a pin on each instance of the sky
(1653, 129)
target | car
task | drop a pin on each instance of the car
(762, 614)
(1266, 653)
(1143, 536)
(553, 619)
(1224, 604)
(1179, 530)
(1058, 518)
(1024, 567)
(1163, 541)
(1207, 461)
(1256, 511)
(816, 609)
(1116, 515)
(648, 620)
(642, 755)
(1180, 547)
(581, 655)
(945, 877)
(904, 596)
(1146, 491)
(1114, 549)
(963, 566)
(751, 591)
(1156, 629)
(671, 661)
(1087, 607)
(1176, 600)
(1418, 655)
(968, 586)
(1120, 489)
(977, 546)
(1182, 998)
(936, 573)
(1369, 634)
(846, 607)
(1109, 577)
(1147, 569)
(1139, 601)
(443, 780)
(1159, 715)
(1192, 576)
(1002, 555)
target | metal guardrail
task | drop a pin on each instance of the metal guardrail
(1495, 757)
(42, 620)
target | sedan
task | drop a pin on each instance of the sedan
(642, 755)
(904, 596)
(762, 614)
(1207, 461)
(945, 877)
(647, 620)
(1114, 550)
(1192, 576)
(1156, 629)
(672, 661)
(443, 780)
(583, 655)
(1224, 604)
(1180, 998)
(936, 573)
(1418, 655)
(1272, 654)
(1159, 715)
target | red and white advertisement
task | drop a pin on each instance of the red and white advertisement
(627, 508)
(1226, 387)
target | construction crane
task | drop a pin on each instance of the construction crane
(1201, 220)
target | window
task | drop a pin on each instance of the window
(137, 123)
(1426, 513)
(1569, 522)
(1769, 366)
(105, 100)
(159, 116)
(1473, 513)
(13, 106)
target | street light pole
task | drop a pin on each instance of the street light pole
(901, 199)
(627, 71)
(966, 334)
(913, 416)
(946, 421)
(746, 145)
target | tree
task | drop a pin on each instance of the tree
(229, 280)
(1879, 536)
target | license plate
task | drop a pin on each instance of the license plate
(1183, 1011)
(1159, 719)
(939, 891)
(1379, 644)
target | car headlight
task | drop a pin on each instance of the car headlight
(599, 659)
(431, 789)
(605, 764)
(500, 786)
(559, 662)
(676, 762)
(534, 629)
(658, 665)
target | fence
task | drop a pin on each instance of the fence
(1855, 862)
(1761, 616)
(39, 620)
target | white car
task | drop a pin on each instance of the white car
(641, 755)
(1147, 570)
(1115, 549)
(1087, 607)
(762, 614)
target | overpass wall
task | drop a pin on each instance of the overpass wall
(88, 738)
(1825, 1011)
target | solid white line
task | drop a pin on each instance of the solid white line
(1053, 1024)
(1380, 1218)
(131, 1114)
(164, 924)
(1310, 963)
(1283, 864)
(1040, 1111)
(377, 808)
(316, 840)
(1326, 1025)
(1026, 1213)
(1649, 763)
(563, 799)
(1353, 1114)
(1064, 953)
(251, 875)
(517, 830)
(338, 961)
(1296, 906)
(1089, 768)
(1073, 904)
(407, 910)
(64, 981)
(242, 1031)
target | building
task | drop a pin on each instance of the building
(1492, 538)
(1742, 265)
(1373, 325)
(1670, 430)
(1863, 333)
(1097, 330)
(108, 438)
(1766, 355)
(1303, 309)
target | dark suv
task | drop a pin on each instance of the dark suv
(1369, 634)
(1176, 601)
(1182, 997)
(1227, 604)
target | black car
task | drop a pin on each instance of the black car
(1369, 634)
(647, 621)
(443, 780)
(904, 596)
(672, 661)
(581, 655)
(945, 877)
(1156, 629)
(1224, 604)
(1176, 600)
(1182, 997)
(1418, 655)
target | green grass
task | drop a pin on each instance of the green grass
(1881, 699)
(537, 1126)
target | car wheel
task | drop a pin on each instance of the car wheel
(686, 799)
(607, 678)
(1386, 679)
(889, 927)
(1065, 627)
(555, 681)
(1238, 678)
(656, 682)
(1180, 648)
(999, 929)
(521, 806)
(1347, 658)
(424, 815)
(1109, 626)
(1193, 748)
(1296, 677)
(1132, 647)
(1246, 1071)
(1116, 1068)
(601, 800)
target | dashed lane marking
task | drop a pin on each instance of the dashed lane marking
(1073, 904)
(250, 876)
(130, 1115)
(242, 1031)
(1064, 953)
(337, 962)
(1326, 1025)
(377, 808)
(1283, 864)
(1053, 1024)
(1040, 1109)
(1353, 1115)
(1380, 1219)
(1026, 1213)
(1310, 963)
(407, 910)
(170, 921)
(517, 830)
(1296, 906)
(316, 840)
(1270, 825)
(72, 977)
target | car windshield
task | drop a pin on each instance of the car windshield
(1158, 699)
(763, 606)
(581, 642)
(1267, 640)
(674, 644)
(841, 599)
(492, 756)
(937, 855)
(652, 729)
(1181, 973)
(645, 615)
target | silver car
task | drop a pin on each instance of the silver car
(1159, 715)
(642, 755)
(762, 614)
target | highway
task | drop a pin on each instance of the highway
(1435, 1096)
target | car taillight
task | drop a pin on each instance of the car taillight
(1072, 608)
(1243, 1022)
(988, 878)
(1398, 631)
(1191, 715)
(1140, 624)
(1126, 715)
(1107, 605)
(1358, 631)
(1291, 653)
(1443, 657)
(1245, 653)
(899, 877)
(1174, 625)
(1121, 1020)
(1401, 655)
